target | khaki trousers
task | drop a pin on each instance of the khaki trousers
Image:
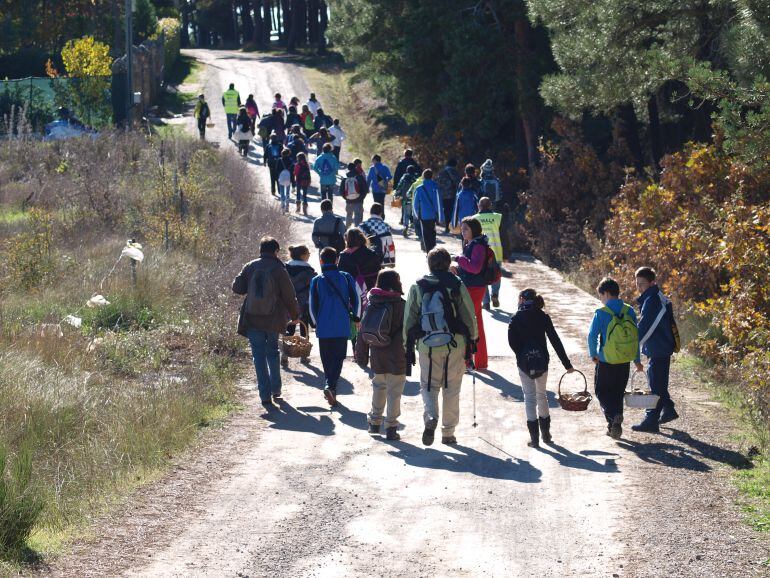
(387, 388)
(453, 360)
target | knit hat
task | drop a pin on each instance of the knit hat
(487, 167)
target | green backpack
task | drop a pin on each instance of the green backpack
(622, 337)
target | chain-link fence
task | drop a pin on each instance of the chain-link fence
(88, 99)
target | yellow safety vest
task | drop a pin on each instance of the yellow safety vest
(231, 101)
(490, 226)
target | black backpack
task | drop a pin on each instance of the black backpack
(533, 361)
(336, 239)
(377, 324)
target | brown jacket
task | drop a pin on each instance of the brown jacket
(390, 359)
(285, 310)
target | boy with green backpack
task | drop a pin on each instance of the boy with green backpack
(613, 343)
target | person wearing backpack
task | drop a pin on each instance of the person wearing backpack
(490, 226)
(202, 113)
(354, 192)
(406, 161)
(307, 121)
(302, 178)
(427, 209)
(527, 331)
(473, 268)
(285, 178)
(378, 178)
(270, 302)
(403, 188)
(490, 184)
(320, 138)
(439, 319)
(293, 119)
(448, 181)
(327, 166)
(273, 160)
(382, 330)
(329, 229)
(264, 130)
(278, 103)
(658, 339)
(613, 343)
(466, 203)
(358, 260)
(335, 305)
(379, 235)
(301, 273)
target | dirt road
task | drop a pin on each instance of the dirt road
(307, 492)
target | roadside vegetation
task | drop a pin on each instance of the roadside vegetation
(96, 399)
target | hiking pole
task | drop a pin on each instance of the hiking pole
(473, 374)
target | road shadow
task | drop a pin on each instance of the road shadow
(286, 417)
(315, 378)
(351, 417)
(508, 389)
(412, 387)
(463, 459)
(580, 461)
(501, 315)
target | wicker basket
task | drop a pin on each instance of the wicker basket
(296, 345)
(210, 125)
(640, 397)
(396, 202)
(574, 401)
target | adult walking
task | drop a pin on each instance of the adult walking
(378, 178)
(327, 166)
(379, 235)
(448, 182)
(527, 332)
(404, 192)
(231, 100)
(386, 313)
(439, 319)
(406, 161)
(285, 179)
(243, 134)
(359, 261)
(334, 305)
(427, 209)
(270, 302)
(302, 178)
(612, 352)
(313, 104)
(470, 268)
(329, 229)
(490, 226)
(202, 113)
(354, 193)
(658, 343)
(273, 153)
(339, 137)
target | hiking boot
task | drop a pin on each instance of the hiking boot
(299, 207)
(668, 414)
(284, 361)
(495, 301)
(304, 360)
(430, 432)
(330, 396)
(405, 233)
(647, 425)
(304, 209)
(391, 434)
(449, 440)
(486, 306)
(374, 429)
(615, 429)
(534, 434)
(268, 404)
(277, 397)
(545, 429)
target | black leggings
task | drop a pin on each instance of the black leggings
(610, 381)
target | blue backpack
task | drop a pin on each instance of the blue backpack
(325, 168)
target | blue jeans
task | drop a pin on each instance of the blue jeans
(302, 194)
(267, 362)
(657, 373)
(285, 193)
(231, 124)
(327, 192)
(495, 292)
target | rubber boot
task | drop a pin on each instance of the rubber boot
(534, 434)
(545, 429)
(304, 209)
(298, 206)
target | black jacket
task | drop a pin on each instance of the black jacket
(529, 326)
(362, 261)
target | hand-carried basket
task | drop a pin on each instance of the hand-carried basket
(296, 345)
(210, 124)
(396, 202)
(455, 229)
(574, 401)
(640, 397)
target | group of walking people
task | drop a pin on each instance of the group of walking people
(358, 296)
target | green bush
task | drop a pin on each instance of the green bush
(170, 28)
(19, 505)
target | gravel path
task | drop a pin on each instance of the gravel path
(305, 491)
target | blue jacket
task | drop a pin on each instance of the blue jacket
(327, 166)
(661, 341)
(331, 317)
(427, 204)
(371, 178)
(597, 333)
(466, 205)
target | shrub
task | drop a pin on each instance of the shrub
(171, 30)
(29, 254)
(19, 505)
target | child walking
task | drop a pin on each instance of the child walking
(301, 274)
(526, 336)
(388, 361)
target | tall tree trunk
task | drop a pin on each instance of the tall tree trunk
(184, 33)
(257, 34)
(247, 24)
(656, 149)
(527, 85)
(312, 21)
(284, 21)
(323, 23)
(291, 23)
(299, 21)
(626, 129)
(267, 22)
(117, 29)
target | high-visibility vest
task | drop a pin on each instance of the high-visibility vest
(231, 101)
(490, 226)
